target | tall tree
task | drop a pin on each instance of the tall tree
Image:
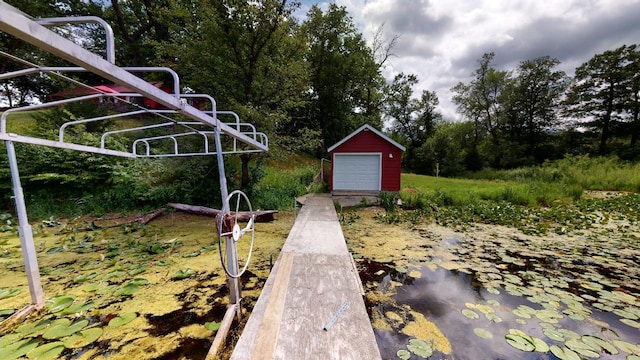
(600, 92)
(532, 102)
(632, 103)
(249, 56)
(342, 66)
(413, 119)
(480, 102)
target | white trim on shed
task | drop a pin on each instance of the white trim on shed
(357, 171)
(369, 128)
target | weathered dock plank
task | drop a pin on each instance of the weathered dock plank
(312, 279)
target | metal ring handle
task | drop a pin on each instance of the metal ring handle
(236, 232)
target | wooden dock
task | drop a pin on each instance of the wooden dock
(313, 279)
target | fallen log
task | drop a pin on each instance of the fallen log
(102, 223)
(260, 215)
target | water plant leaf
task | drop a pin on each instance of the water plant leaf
(138, 270)
(84, 277)
(626, 347)
(403, 354)
(493, 291)
(7, 293)
(59, 303)
(18, 349)
(180, 274)
(63, 327)
(420, 348)
(582, 348)
(115, 273)
(33, 328)
(55, 250)
(563, 353)
(84, 338)
(540, 345)
(493, 302)
(9, 339)
(493, 318)
(631, 323)
(470, 314)
(520, 342)
(126, 290)
(138, 282)
(213, 326)
(122, 320)
(164, 262)
(78, 307)
(553, 334)
(483, 333)
(599, 344)
(47, 351)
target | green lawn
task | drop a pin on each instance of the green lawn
(458, 187)
(463, 191)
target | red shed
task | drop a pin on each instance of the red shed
(366, 160)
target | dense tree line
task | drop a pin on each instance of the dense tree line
(308, 83)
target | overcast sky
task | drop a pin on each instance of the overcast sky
(442, 40)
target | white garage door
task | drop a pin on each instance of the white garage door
(356, 172)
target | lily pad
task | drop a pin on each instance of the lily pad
(138, 270)
(84, 277)
(563, 353)
(493, 318)
(63, 327)
(78, 307)
(213, 326)
(33, 328)
(420, 348)
(18, 349)
(403, 354)
(9, 339)
(470, 314)
(582, 348)
(115, 273)
(122, 320)
(138, 282)
(540, 345)
(82, 339)
(627, 347)
(483, 333)
(47, 351)
(126, 290)
(180, 274)
(553, 334)
(59, 303)
(599, 344)
(631, 323)
(520, 342)
(7, 293)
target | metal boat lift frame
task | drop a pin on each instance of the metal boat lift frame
(20, 25)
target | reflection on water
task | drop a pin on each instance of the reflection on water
(441, 294)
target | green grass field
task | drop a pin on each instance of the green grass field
(450, 191)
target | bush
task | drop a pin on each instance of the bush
(279, 188)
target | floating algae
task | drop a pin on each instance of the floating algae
(570, 295)
(110, 292)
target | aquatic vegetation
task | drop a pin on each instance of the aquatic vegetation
(89, 278)
(570, 293)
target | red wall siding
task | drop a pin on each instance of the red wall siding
(366, 141)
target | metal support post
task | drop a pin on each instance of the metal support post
(24, 229)
(232, 251)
